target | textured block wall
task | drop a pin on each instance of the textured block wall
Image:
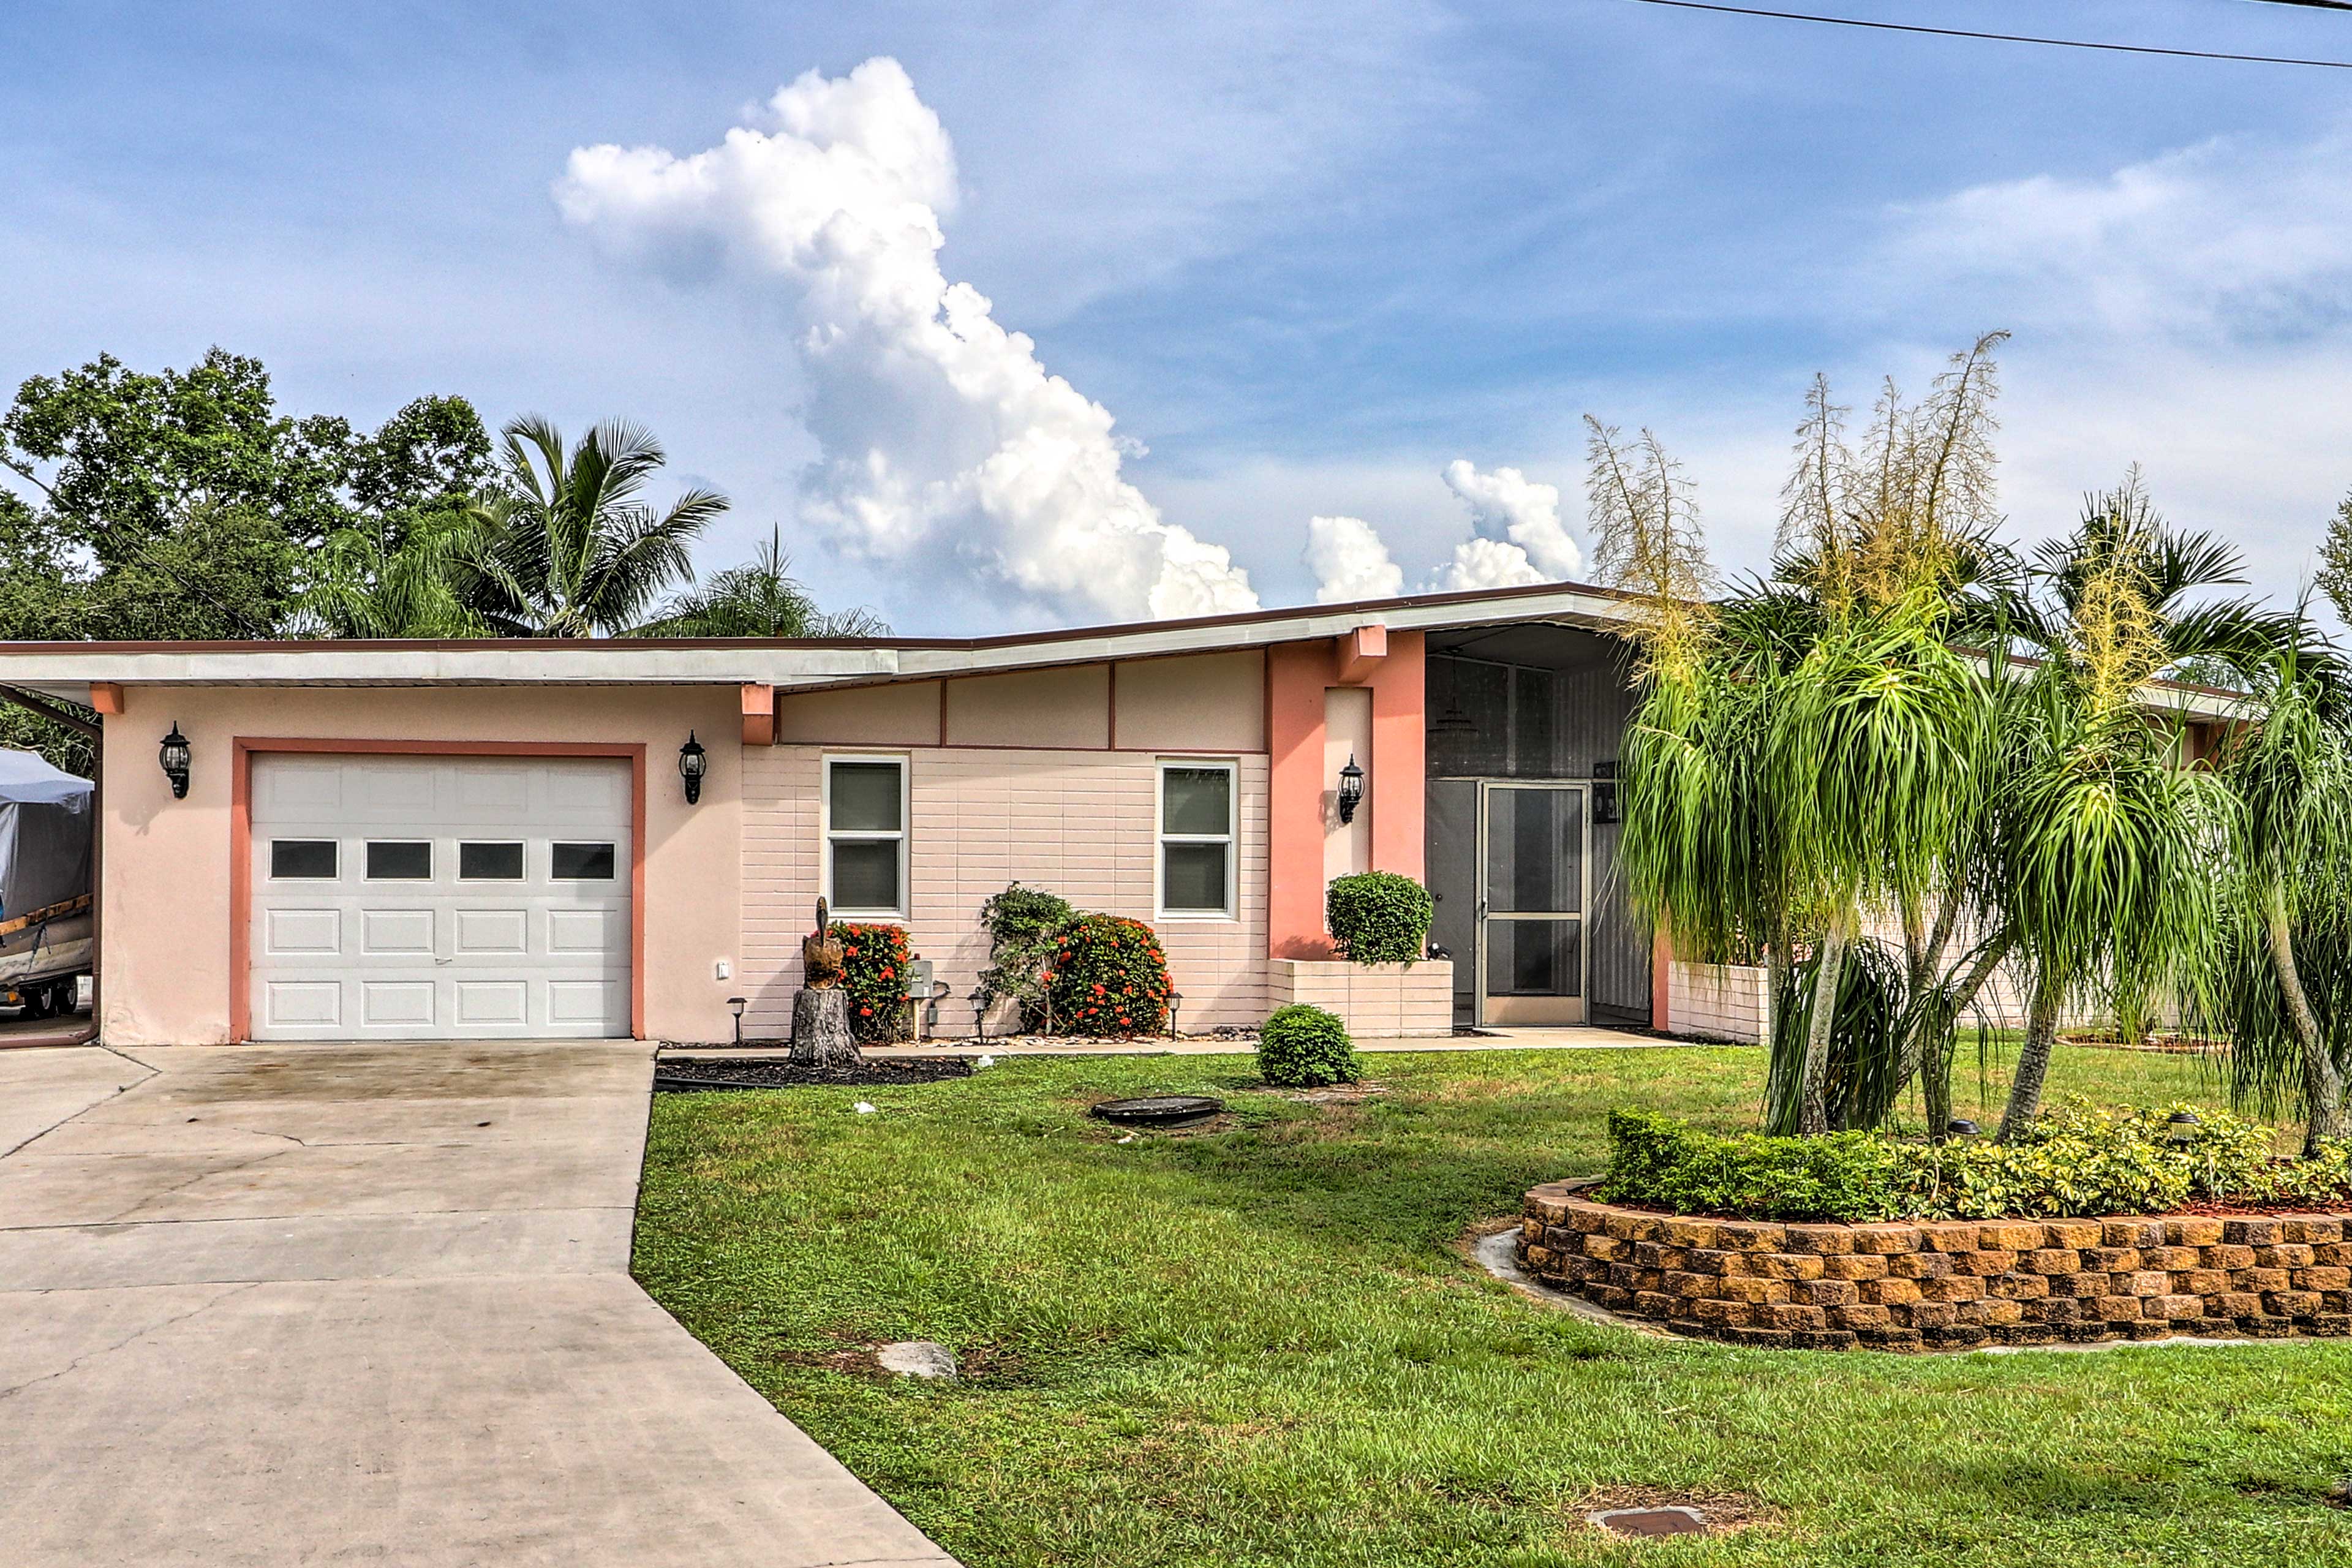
(1946, 1284)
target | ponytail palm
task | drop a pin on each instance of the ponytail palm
(567, 548)
(2276, 974)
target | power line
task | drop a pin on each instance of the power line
(2314, 4)
(2005, 38)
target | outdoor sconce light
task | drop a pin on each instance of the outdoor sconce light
(1352, 789)
(693, 762)
(2181, 1126)
(1604, 791)
(175, 762)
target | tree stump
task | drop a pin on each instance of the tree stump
(821, 1036)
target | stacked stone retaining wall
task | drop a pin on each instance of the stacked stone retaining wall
(1945, 1284)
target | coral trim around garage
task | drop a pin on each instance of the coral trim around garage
(1946, 1284)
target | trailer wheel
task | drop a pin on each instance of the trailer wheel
(39, 1004)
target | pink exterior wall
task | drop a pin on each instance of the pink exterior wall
(1299, 676)
(1077, 823)
(165, 940)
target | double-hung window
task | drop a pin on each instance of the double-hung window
(866, 836)
(1196, 840)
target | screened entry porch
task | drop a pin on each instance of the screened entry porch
(1524, 726)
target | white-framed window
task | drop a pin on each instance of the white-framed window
(865, 872)
(1197, 869)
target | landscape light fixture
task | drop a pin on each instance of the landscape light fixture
(1352, 789)
(736, 1004)
(693, 762)
(2181, 1126)
(1961, 1127)
(175, 756)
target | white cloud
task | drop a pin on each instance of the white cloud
(1486, 563)
(1350, 561)
(946, 446)
(2232, 235)
(1506, 504)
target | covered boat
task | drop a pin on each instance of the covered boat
(46, 929)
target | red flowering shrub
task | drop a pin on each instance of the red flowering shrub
(874, 972)
(1109, 977)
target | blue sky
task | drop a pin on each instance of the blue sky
(1305, 255)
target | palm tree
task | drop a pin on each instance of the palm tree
(760, 599)
(2106, 845)
(363, 586)
(2277, 972)
(566, 550)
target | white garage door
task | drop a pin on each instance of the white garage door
(439, 898)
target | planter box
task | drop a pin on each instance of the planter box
(1945, 1284)
(1374, 999)
(1719, 1002)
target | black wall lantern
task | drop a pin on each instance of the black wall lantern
(1352, 789)
(693, 762)
(175, 762)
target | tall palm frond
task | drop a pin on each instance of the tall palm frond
(568, 549)
(760, 599)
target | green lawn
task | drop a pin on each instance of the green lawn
(1261, 1346)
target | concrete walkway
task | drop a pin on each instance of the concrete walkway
(369, 1305)
(1572, 1037)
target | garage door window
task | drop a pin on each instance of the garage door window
(399, 861)
(582, 863)
(490, 862)
(307, 858)
(866, 836)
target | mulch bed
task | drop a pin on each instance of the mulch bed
(725, 1072)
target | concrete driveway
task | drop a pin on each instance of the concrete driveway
(369, 1304)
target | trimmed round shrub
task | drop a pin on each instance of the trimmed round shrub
(1378, 917)
(1109, 977)
(1305, 1048)
(874, 972)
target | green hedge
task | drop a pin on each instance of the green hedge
(1658, 1162)
(2079, 1161)
(1307, 1048)
(1378, 917)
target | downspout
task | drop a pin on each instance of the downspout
(56, 714)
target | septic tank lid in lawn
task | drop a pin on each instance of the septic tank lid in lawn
(1159, 1109)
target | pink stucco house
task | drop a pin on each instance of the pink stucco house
(478, 839)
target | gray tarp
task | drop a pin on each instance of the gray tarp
(45, 825)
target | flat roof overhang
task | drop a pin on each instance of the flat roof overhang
(69, 669)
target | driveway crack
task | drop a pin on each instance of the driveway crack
(125, 1343)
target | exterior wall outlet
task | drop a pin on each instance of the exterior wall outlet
(722, 970)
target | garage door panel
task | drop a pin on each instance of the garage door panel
(494, 792)
(492, 1003)
(397, 933)
(291, 931)
(303, 1004)
(300, 786)
(393, 791)
(492, 932)
(396, 1004)
(587, 931)
(585, 1003)
(338, 956)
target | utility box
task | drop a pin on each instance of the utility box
(918, 980)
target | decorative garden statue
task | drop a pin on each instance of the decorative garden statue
(821, 1036)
